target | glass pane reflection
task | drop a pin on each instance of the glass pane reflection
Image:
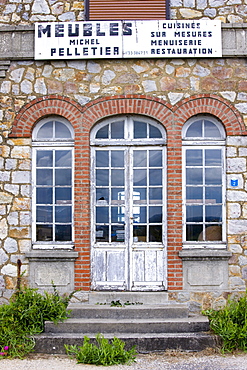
(139, 233)
(102, 233)
(44, 158)
(117, 233)
(193, 232)
(194, 176)
(155, 233)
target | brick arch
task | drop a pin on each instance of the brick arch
(214, 105)
(105, 107)
(42, 107)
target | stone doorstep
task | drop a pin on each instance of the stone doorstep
(50, 343)
(146, 298)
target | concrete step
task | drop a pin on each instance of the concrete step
(146, 298)
(174, 325)
(51, 343)
(128, 312)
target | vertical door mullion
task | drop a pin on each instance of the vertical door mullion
(53, 194)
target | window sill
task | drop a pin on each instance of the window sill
(204, 254)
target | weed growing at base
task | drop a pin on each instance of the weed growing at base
(24, 317)
(104, 353)
(230, 323)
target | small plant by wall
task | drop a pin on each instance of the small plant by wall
(230, 323)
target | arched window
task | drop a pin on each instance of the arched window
(128, 203)
(53, 183)
(204, 182)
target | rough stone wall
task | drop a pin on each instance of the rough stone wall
(227, 11)
(29, 11)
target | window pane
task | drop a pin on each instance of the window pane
(63, 233)
(155, 158)
(154, 132)
(213, 194)
(117, 214)
(102, 194)
(213, 232)
(213, 176)
(62, 131)
(63, 158)
(103, 132)
(139, 233)
(140, 158)
(213, 157)
(117, 233)
(155, 177)
(140, 177)
(102, 158)
(117, 130)
(140, 130)
(117, 177)
(44, 158)
(211, 130)
(63, 214)
(46, 131)
(194, 213)
(155, 194)
(195, 129)
(213, 213)
(63, 195)
(155, 214)
(117, 158)
(102, 233)
(63, 177)
(194, 157)
(193, 232)
(194, 176)
(44, 233)
(102, 177)
(44, 195)
(155, 233)
(44, 177)
(194, 193)
(44, 214)
(102, 214)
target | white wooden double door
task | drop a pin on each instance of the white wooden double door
(128, 218)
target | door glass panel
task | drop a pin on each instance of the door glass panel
(155, 233)
(140, 130)
(140, 196)
(117, 177)
(139, 233)
(155, 158)
(140, 158)
(155, 176)
(117, 195)
(140, 177)
(102, 233)
(139, 214)
(102, 158)
(44, 158)
(155, 195)
(102, 177)
(117, 158)
(194, 176)
(63, 195)
(155, 214)
(117, 214)
(117, 233)
(102, 214)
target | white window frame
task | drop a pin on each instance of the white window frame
(51, 144)
(204, 143)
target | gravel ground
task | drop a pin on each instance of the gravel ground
(156, 361)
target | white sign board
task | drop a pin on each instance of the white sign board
(128, 39)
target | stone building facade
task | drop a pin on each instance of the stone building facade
(85, 92)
